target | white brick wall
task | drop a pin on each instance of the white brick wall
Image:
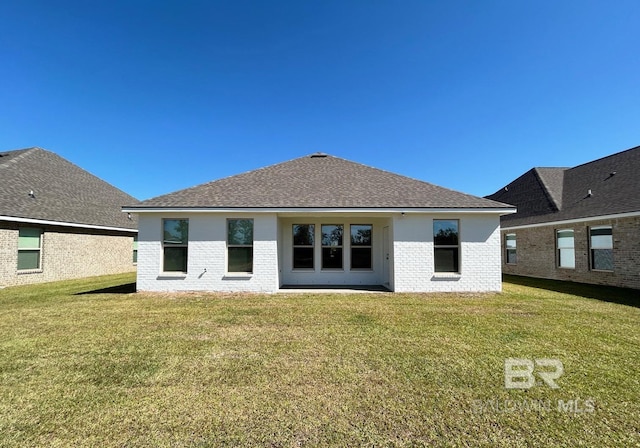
(479, 257)
(411, 257)
(208, 250)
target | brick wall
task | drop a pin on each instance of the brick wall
(207, 255)
(537, 257)
(66, 253)
(413, 259)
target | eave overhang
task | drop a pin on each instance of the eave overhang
(347, 210)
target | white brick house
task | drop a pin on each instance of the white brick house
(319, 220)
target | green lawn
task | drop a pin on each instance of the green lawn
(111, 368)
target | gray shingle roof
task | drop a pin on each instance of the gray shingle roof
(530, 193)
(557, 194)
(318, 181)
(63, 192)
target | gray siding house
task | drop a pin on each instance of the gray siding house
(579, 224)
(57, 221)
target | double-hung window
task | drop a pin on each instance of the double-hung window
(361, 246)
(446, 243)
(135, 249)
(601, 246)
(29, 245)
(240, 245)
(566, 249)
(332, 246)
(175, 243)
(303, 248)
(510, 248)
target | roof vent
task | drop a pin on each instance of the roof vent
(318, 155)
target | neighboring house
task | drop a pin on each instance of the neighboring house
(319, 220)
(58, 221)
(580, 224)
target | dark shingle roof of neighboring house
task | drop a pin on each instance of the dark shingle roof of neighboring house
(318, 181)
(558, 194)
(552, 180)
(62, 191)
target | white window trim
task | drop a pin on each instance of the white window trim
(558, 248)
(591, 248)
(507, 249)
(135, 250)
(32, 249)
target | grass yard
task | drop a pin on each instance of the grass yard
(84, 363)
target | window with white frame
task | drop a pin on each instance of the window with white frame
(601, 246)
(240, 245)
(510, 248)
(135, 249)
(566, 249)
(332, 254)
(175, 245)
(446, 244)
(361, 237)
(303, 246)
(29, 248)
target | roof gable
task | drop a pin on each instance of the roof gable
(552, 179)
(62, 191)
(318, 181)
(531, 192)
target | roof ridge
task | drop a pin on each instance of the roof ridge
(409, 177)
(228, 177)
(605, 157)
(59, 191)
(316, 154)
(23, 153)
(331, 182)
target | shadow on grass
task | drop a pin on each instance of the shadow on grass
(622, 296)
(128, 288)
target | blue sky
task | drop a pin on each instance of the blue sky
(155, 96)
